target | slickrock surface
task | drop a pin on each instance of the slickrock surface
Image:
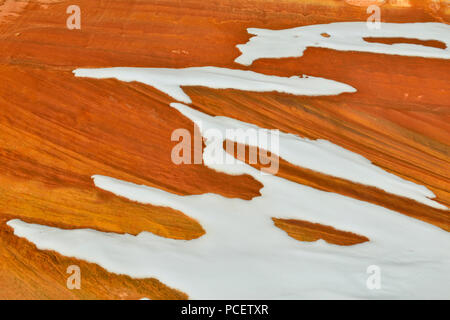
(56, 130)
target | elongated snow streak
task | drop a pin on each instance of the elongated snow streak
(318, 155)
(170, 81)
(344, 36)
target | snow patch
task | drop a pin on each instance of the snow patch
(344, 36)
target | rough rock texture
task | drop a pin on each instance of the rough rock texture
(57, 130)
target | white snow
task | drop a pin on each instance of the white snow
(318, 155)
(170, 81)
(243, 255)
(344, 36)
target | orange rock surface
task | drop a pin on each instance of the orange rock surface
(56, 130)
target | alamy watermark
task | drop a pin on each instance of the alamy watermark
(374, 19)
(374, 10)
(373, 282)
(74, 280)
(255, 146)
